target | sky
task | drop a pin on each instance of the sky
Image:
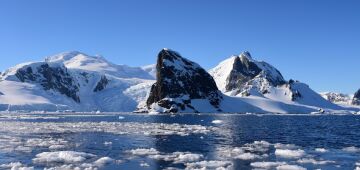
(313, 41)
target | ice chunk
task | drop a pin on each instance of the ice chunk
(287, 153)
(217, 121)
(143, 152)
(210, 165)
(62, 157)
(15, 166)
(351, 149)
(290, 167)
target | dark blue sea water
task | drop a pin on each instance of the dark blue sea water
(139, 141)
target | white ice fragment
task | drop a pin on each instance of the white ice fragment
(144, 164)
(209, 165)
(15, 166)
(351, 149)
(287, 153)
(103, 161)
(217, 121)
(266, 165)
(143, 152)
(313, 161)
(290, 167)
(62, 157)
(321, 150)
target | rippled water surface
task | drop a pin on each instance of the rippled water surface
(192, 141)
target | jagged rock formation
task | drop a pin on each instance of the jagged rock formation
(337, 98)
(101, 84)
(179, 82)
(51, 78)
(243, 76)
(238, 73)
(356, 98)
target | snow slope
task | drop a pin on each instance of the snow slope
(261, 85)
(74, 81)
(95, 82)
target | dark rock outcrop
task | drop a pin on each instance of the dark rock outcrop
(50, 78)
(245, 69)
(356, 99)
(1, 93)
(295, 94)
(101, 85)
(179, 81)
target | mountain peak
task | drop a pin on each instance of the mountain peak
(65, 56)
(235, 72)
(179, 81)
(246, 54)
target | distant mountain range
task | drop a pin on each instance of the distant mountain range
(74, 81)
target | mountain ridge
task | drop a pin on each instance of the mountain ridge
(76, 81)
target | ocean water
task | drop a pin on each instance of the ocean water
(192, 141)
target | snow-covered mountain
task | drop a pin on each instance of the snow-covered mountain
(79, 82)
(73, 81)
(242, 76)
(337, 98)
(151, 69)
(236, 74)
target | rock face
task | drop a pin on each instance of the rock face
(51, 78)
(101, 85)
(337, 98)
(239, 73)
(356, 99)
(180, 82)
(74, 81)
(243, 76)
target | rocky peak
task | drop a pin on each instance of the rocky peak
(237, 72)
(337, 98)
(179, 81)
(356, 99)
(245, 55)
(50, 77)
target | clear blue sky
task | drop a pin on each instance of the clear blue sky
(314, 41)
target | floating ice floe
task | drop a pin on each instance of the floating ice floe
(287, 153)
(217, 121)
(290, 167)
(107, 127)
(62, 157)
(276, 165)
(250, 151)
(210, 165)
(321, 150)
(175, 157)
(313, 161)
(71, 160)
(143, 152)
(16, 143)
(351, 149)
(15, 166)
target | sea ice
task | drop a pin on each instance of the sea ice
(287, 153)
(210, 165)
(62, 157)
